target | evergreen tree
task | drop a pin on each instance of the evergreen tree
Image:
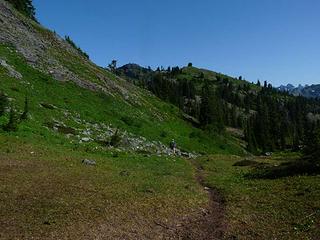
(265, 84)
(25, 7)
(205, 110)
(258, 83)
(25, 113)
(252, 145)
(3, 103)
(115, 139)
(312, 146)
(211, 110)
(113, 66)
(234, 117)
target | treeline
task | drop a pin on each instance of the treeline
(25, 7)
(279, 123)
(207, 101)
(271, 120)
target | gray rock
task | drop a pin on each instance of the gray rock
(12, 72)
(89, 162)
(86, 139)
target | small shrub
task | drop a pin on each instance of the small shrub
(245, 163)
(66, 130)
(60, 128)
(222, 147)
(196, 134)
(48, 106)
(163, 134)
(115, 139)
(13, 123)
(132, 122)
(193, 135)
(15, 89)
(103, 143)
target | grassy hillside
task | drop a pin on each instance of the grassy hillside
(77, 107)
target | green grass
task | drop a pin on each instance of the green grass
(47, 191)
(285, 208)
(152, 116)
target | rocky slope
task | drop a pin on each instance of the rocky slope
(51, 54)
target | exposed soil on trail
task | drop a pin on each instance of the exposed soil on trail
(210, 224)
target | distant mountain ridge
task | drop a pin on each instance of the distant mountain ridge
(312, 91)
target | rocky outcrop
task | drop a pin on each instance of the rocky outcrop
(101, 134)
(12, 72)
(89, 162)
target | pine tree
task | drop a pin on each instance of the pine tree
(115, 139)
(312, 146)
(25, 113)
(258, 83)
(205, 110)
(25, 7)
(234, 117)
(252, 145)
(265, 85)
(3, 103)
(113, 66)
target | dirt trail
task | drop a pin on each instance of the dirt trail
(210, 224)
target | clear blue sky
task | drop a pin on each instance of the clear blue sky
(274, 40)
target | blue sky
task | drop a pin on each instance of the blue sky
(273, 40)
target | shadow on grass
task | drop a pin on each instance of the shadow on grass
(288, 169)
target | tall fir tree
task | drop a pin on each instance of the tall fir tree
(25, 113)
(252, 145)
(25, 7)
(3, 103)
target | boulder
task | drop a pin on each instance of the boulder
(85, 139)
(89, 162)
(11, 70)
